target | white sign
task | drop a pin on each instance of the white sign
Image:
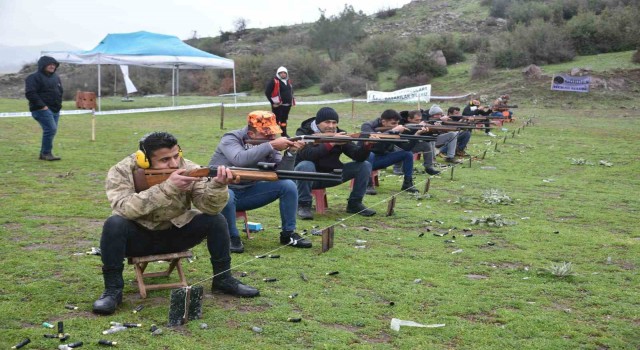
(422, 93)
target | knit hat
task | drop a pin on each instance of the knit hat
(264, 122)
(435, 109)
(326, 113)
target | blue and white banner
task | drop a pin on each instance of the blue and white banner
(565, 82)
(422, 93)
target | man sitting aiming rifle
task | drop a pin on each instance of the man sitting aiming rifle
(159, 219)
(325, 158)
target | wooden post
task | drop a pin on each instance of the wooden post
(426, 186)
(484, 153)
(93, 125)
(391, 206)
(505, 139)
(327, 238)
(452, 168)
(353, 109)
(222, 116)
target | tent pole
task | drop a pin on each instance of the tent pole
(99, 90)
(177, 83)
(235, 96)
(115, 80)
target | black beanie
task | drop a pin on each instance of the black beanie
(326, 113)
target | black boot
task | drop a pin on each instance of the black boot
(407, 185)
(356, 206)
(371, 188)
(227, 284)
(235, 244)
(304, 211)
(112, 295)
(293, 239)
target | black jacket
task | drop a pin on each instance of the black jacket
(382, 148)
(467, 111)
(325, 157)
(286, 91)
(44, 89)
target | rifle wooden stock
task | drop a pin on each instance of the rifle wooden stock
(145, 178)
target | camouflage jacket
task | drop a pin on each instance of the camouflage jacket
(162, 205)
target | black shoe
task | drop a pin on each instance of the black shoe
(108, 301)
(407, 186)
(357, 207)
(431, 171)
(304, 212)
(452, 160)
(229, 285)
(293, 239)
(371, 190)
(235, 245)
(49, 157)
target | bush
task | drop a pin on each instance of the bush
(582, 30)
(539, 43)
(613, 30)
(499, 8)
(411, 81)
(636, 57)
(415, 60)
(378, 50)
(472, 42)
(483, 66)
(341, 79)
(526, 12)
(305, 68)
(386, 13)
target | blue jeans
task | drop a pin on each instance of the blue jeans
(259, 195)
(383, 161)
(49, 123)
(360, 171)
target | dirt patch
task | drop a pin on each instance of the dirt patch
(380, 338)
(476, 277)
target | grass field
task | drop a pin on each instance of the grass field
(498, 292)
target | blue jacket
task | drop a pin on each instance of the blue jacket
(44, 89)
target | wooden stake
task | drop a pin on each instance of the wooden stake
(427, 184)
(327, 238)
(222, 116)
(452, 168)
(353, 109)
(484, 153)
(391, 205)
(93, 125)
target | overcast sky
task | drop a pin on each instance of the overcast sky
(83, 23)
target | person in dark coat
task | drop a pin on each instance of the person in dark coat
(279, 92)
(325, 158)
(43, 89)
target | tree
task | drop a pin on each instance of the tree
(337, 34)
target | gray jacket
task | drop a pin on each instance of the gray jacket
(233, 151)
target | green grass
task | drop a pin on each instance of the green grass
(582, 214)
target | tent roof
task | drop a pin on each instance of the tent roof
(144, 49)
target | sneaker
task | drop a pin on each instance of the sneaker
(49, 157)
(371, 190)
(452, 160)
(304, 212)
(431, 171)
(491, 134)
(235, 245)
(357, 207)
(293, 239)
(229, 285)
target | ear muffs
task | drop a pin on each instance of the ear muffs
(141, 160)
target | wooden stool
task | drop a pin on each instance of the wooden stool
(243, 214)
(140, 264)
(322, 203)
(374, 179)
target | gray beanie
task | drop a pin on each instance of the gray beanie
(435, 109)
(326, 113)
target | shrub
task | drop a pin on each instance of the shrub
(483, 66)
(582, 30)
(385, 13)
(305, 67)
(414, 80)
(378, 50)
(416, 60)
(472, 42)
(341, 79)
(636, 57)
(499, 8)
(526, 12)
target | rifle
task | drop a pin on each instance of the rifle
(145, 178)
(433, 129)
(461, 125)
(334, 138)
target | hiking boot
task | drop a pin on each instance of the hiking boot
(431, 171)
(49, 157)
(462, 153)
(407, 185)
(108, 301)
(293, 239)
(227, 284)
(235, 244)
(304, 211)
(452, 160)
(357, 207)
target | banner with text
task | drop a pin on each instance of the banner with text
(422, 93)
(565, 82)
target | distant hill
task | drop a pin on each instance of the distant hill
(12, 58)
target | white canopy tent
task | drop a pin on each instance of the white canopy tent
(149, 50)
